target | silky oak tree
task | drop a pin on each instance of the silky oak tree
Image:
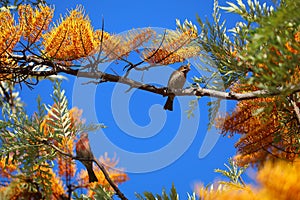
(256, 63)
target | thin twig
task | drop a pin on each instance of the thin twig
(101, 39)
(242, 181)
(109, 180)
(149, 57)
(7, 97)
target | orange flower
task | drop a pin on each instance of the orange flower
(16, 190)
(73, 38)
(6, 169)
(290, 48)
(9, 33)
(263, 136)
(223, 192)
(66, 165)
(55, 182)
(118, 46)
(280, 180)
(34, 22)
(296, 43)
(176, 48)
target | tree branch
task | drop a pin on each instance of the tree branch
(56, 68)
(191, 91)
(109, 180)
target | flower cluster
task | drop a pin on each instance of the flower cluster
(277, 180)
(34, 21)
(73, 38)
(176, 47)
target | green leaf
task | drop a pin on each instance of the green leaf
(101, 193)
(258, 111)
(213, 111)
(149, 196)
(139, 196)
(173, 194)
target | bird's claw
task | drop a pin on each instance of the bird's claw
(166, 90)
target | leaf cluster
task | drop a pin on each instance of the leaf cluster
(173, 195)
(233, 172)
(261, 49)
(26, 143)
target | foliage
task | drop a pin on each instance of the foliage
(268, 126)
(149, 196)
(277, 180)
(99, 193)
(31, 165)
(226, 57)
(275, 44)
(262, 50)
(217, 47)
(73, 38)
(215, 59)
(233, 172)
(266, 43)
(262, 54)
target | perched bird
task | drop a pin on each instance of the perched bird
(85, 155)
(176, 81)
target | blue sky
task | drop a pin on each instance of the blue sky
(157, 148)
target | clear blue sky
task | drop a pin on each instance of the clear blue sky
(158, 148)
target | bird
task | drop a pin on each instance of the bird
(85, 155)
(176, 81)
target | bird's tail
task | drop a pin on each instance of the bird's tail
(92, 175)
(169, 103)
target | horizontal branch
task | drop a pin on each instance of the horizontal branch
(191, 91)
(232, 95)
(105, 77)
